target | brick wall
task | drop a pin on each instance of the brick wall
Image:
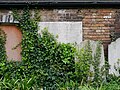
(97, 23)
(116, 32)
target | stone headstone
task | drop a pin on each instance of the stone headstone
(68, 32)
(94, 45)
(113, 57)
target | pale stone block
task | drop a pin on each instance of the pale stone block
(68, 32)
(113, 57)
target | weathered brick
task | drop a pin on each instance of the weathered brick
(97, 23)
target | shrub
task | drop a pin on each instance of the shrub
(82, 65)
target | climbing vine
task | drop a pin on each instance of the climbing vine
(3, 56)
(29, 44)
(42, 56)
(46, 63)
(2, 45)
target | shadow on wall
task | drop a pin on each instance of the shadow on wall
(115, 34)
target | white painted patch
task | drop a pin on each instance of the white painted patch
(3, 18)
(61, 11)
(68, 32)
(107, 17)
(113, 56)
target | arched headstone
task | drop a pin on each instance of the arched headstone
(113, 57)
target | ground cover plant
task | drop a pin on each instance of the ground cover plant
(49, 65)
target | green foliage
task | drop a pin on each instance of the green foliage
(57, 60)
(2, 46)
(86, 60)
(113, 79)
(99, 71)
(107, 86)
(84, 57)
(42, 56)
(3, 56)
(111, 86)
(18, 84)
(47, 63)
(117, 66)
(69, 85)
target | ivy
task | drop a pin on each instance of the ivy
(57, 59)
(2, 45)
(49, 61)
(3, 56)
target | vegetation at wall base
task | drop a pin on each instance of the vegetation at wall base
(49, 65)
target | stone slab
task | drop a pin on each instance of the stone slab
(113, 56)
(68, 32)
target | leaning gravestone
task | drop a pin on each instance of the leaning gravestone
(94, 45)
(68, 32)
(113, 57)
